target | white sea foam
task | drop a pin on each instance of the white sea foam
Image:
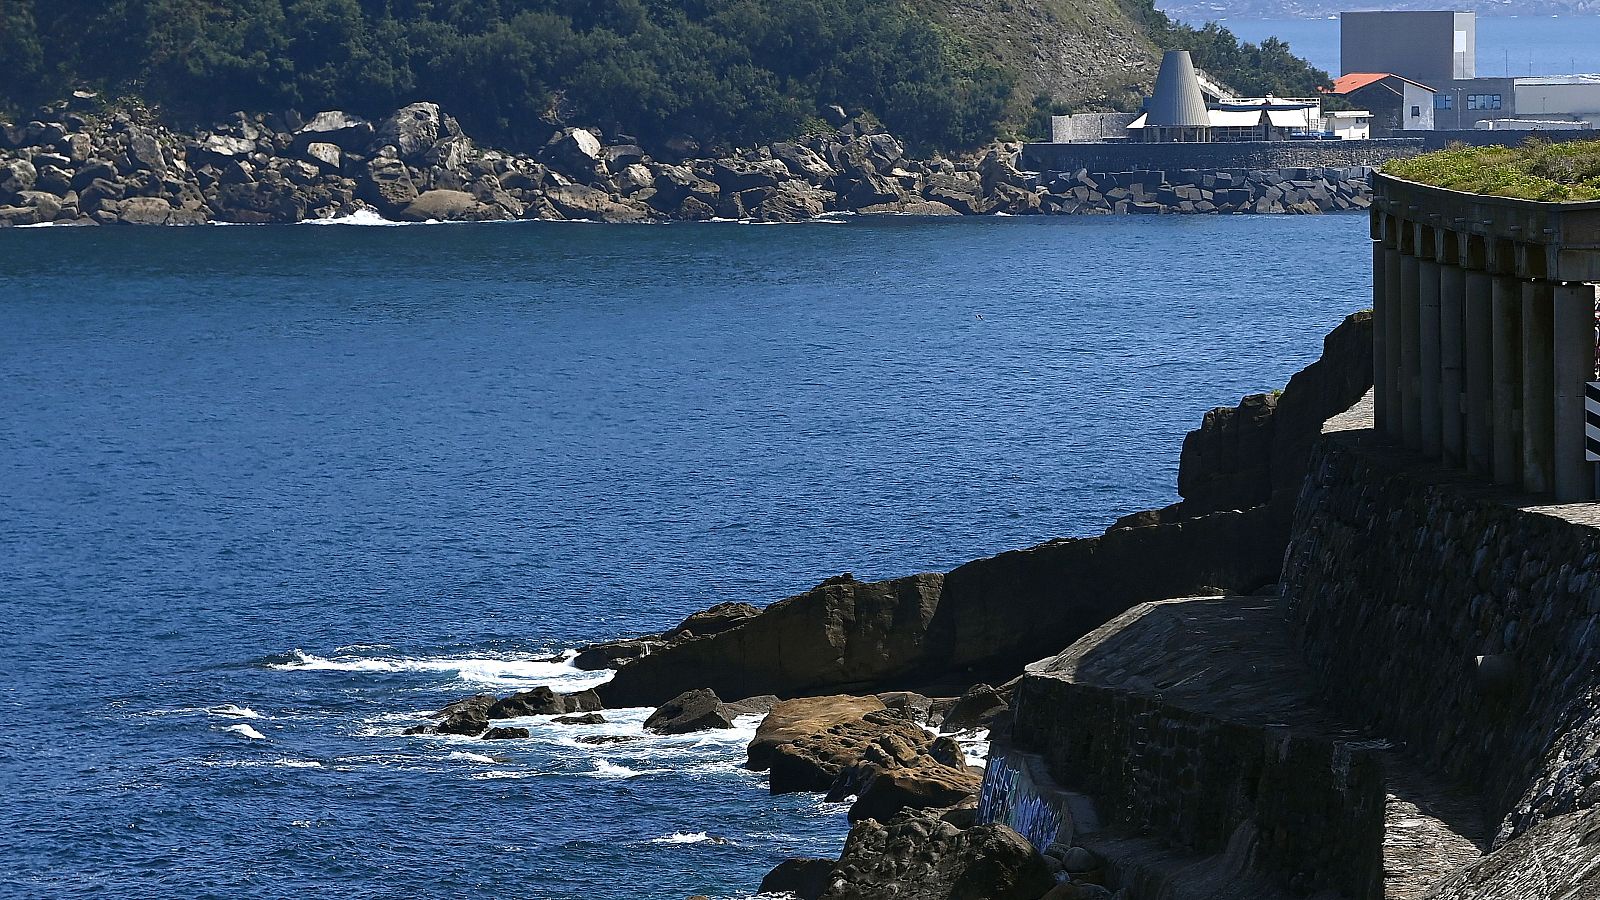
(470, 757)
(232, 711)
(679, 837)
(603, 769)
(494, 671)
(359, 217)
(246, 731)
(500, 774)
(298, 763)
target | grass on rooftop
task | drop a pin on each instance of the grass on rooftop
(1537, 170)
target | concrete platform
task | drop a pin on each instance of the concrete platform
(1193, 726)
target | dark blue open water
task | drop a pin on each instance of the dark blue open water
(267, 495)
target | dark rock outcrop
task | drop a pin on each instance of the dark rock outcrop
(691, 711)
(542, 701)
(504, 734)
(805, 878)
(918, 856)
(469, 716)
(585, 719)
(977, 708)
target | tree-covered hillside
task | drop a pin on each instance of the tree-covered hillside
(733, 70)
(719, 71)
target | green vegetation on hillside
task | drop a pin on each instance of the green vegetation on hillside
(736, 71)
(1252, 70)
(1537, 170)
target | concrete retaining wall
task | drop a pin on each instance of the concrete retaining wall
(1243, 155)
(1438, 611)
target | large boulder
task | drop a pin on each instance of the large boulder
(977, 708)
(793, 201)
(805, 878)
(145, 211)
(868, 189)
(448, 206)
(468, 717)
(343, 130)
(734, 175)
(505, 734)
(328, 158)
(16, 176)
(677, 184)
(920, 857)
(388, 185)
(576, 201)
(576, 152)
(809, 744)
(32, 208)
(962, 191)
(259, 203)
(414, 130)
(693, 711)
(889, 780)
(225, 147)
(144, 151)
(542, 701)
(802, 162)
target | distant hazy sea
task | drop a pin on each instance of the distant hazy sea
(1507, 45)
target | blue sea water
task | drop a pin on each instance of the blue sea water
(1508, 46)
(270, 494)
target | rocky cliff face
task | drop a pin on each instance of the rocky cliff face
(987, 619)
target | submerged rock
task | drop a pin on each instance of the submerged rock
(805, 878)
(502, 734)
(542, 701)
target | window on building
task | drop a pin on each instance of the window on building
(1483, 101)
(1416, 112)
(1443, 101)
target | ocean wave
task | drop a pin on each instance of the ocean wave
(603, 769)
(297, 763)
(492, 671)
(359, 217)
(501, 774)
(233, 711)
(470, 757)
(679, 837)
(246, 731)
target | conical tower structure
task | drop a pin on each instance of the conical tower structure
(1177, 102)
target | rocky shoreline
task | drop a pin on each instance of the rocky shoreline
(868, 688)
(83, 164)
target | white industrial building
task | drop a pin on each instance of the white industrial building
(1573, 97)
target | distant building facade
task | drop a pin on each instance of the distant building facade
(1573, 97)
(1431, 48)
(1436, 49)
(1397, 103)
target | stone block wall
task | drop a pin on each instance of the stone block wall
(1315, 806)
(1438, 611)
(1291, 190)
(1122, 157)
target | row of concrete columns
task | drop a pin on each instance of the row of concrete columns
(1479, 367)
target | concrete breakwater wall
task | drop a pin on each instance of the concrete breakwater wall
(1289, 190)
(1454, 616)
(1121, 157)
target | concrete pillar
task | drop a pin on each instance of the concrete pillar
(1573, 332)
(1538, 372)
(1505, 414)
(1394, 339)
(1452, 303)
(1380, 370)
(1477, 354)
(1428, 357)
(1410, 353)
